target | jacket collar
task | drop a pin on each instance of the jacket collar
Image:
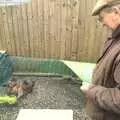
(115, 36)
(116, 33)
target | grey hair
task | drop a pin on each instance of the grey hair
(109, 9)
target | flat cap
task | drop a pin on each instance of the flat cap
(102, 4)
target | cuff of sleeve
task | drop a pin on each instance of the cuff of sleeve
(93, 92)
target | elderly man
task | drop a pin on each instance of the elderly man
(103, 95)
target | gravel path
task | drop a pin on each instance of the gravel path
(49, 93)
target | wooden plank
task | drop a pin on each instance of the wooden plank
(4, 35)
(30, 28)
(25, 30)
(56, 29)
(35, 28)
(75, 16)
(12, 45)
(91, 23)
(46, 29)
(69, 31)
(2, 29)
(6, 23)
(63, 28)
(52, 28)
(81, 32)
(59, 23)
(14, 25)
(40, 26)
(42, 29)
(20, 31)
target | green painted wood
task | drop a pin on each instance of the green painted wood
(22, 64)
(81, 70)
(5, 67)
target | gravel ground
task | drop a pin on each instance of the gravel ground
(49, 93)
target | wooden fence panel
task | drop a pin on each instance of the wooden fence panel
(60, 29)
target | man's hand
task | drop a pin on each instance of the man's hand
(86, 86)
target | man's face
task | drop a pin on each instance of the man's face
(111, 20)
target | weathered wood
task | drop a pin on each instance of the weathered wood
(60, 29)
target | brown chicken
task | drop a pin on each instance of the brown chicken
(19, 88)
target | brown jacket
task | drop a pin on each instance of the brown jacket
(104, 98)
